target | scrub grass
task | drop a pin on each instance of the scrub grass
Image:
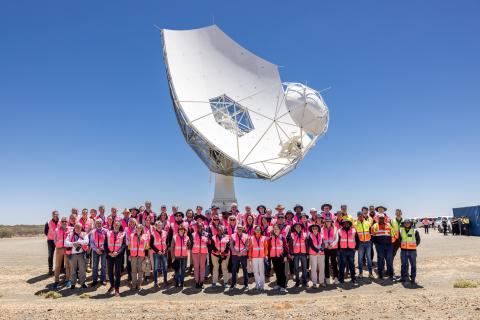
(53, 295)
(20, 230)
(465, 283)
(84, 296)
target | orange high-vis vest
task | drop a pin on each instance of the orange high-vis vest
(99, 238)
(60, 237)
(409, 242)
(160, 240)
(363, 230)
(200, 243)
(317, 242)
(299, 243)
(181, 246)
(277, 246)
(221, 244)
(258, 247)
(384, 232)
(329, 236)
(347, 239)
(52, 226)
(138, 245)
(114, 244)
(240, 243)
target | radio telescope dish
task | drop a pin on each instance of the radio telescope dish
(235, 112)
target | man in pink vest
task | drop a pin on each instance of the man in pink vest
(77, 241)
(298, 247)
(239, 249)
(49, 231)
(97, 245)
(347, 243)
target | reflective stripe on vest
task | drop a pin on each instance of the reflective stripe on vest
(60, 237)
(363, 230)
(408, 239)
(181, 246)
(199, 243)
(137, 245)
(114, 241)
(99, 239)
(160, 240)
(277, 246)
(384, 232)
(347, 239)
(329, 236)
(258, 247)
(317, 242)
(299, 243)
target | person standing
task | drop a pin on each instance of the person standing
(220, 248)
(239, 248)
(445, 226)
(62, 251)
(396, 224)
(298, 247)
(330, 238)
(77, 241)
(426, 225)
(278, 251)
(383, 235)
(180, 244)
(362, 228)
(257, 253)
(159, 245)
(200, 242)
(49, 231)
(410, 239)
(115, 246)
(97, 245)
(138, 254)
(347, 244)
(317, 256)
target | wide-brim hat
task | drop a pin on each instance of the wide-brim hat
(279, 207)
(179, 213)
(298, 206)
(199, 216)
(297, 224)
(313, 225)
(289, 213)
(214, 208)
(326, 205)
(347, 220)
(261, 206)
(384, 209)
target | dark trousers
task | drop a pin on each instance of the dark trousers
(238, 261)
(396, 246)
(347, 260)
(425, 228)
(179, 265)
(267, 267)
(129, 265)
(279, 268)
(408, 257)
(331, 257)
(114, 266)
(51, 251)
(384, 255)
(300, 259)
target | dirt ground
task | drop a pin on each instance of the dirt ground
(441, 261)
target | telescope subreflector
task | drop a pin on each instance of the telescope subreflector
(233, 109)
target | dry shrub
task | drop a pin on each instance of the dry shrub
(465, 283)
(53, 295)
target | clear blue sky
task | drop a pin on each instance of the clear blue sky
(86, 117)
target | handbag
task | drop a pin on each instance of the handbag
(146, 266)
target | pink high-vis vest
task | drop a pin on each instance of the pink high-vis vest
(181, 246)
(299, 243)
(347, 239)
(114, 244)
(240, 243)
(138, 245)
(200, 243)
(60, 237)
(99, 239)
(317, 242)
(220, 244)
(258, 247)
(277, 246)
(160, 240)
(329, 236)
(52, 226)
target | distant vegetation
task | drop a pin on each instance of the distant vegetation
(20, 230)
(465, 283)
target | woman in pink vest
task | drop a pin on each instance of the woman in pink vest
(139, 242)
(278, 251)
(159, 245)
(132, 225)
(258, 252)
(239, 250)
(180, 246)
(317, 258)
(200, 241)
(61, 256)
(330, 238)
(347, 242)
(220, 248)
(115, 246)
(298, 248)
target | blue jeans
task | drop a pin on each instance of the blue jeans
(159, 264)
(180, 265)
(364, 252)
(103, 262)
(384, 255)
(238, 261)
(297, 260)
(347, 260)
(408, 257)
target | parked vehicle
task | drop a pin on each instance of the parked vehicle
(438, 223)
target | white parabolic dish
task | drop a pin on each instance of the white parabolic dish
(234, 110)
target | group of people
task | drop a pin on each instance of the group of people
(319, 247)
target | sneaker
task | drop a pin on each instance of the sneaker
(297, 284)
(50, 273)
(370, 275)
(245, 288)
(329, 281)
(360, 274)
(232, 287)
(94, 284)
(214, 285)
(277, 287)
(72, 287)
(335, 281)
(110, 290)
(55, 286)
(68, 284)
(412, 281)
(84, 286)
(323, 285)
(283, 290)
